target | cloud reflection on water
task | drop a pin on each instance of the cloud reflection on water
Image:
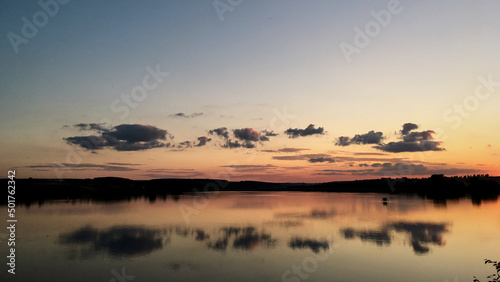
(421, 234)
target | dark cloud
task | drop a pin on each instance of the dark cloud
(418, 136)
(183, 115)
(413, 141)
(202, 141)
(137, 146)
(247, 134)
(221, 132)
(230, 144)
(402, 146)
(247, 137)
(321, 160)
(91, 142)
(309, 130)
(136, 133)
(124, 137)
(343, 141)
(371, 137)
(407, 127)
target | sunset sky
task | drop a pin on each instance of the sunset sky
(282, 91)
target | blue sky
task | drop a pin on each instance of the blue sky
(261, 58)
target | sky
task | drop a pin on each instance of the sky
(281, 91)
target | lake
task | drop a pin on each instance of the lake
(250, 236)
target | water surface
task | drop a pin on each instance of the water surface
(275, 236)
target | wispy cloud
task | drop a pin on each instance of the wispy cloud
(321, 160)
(183, 115)
(88, 166)
(285, 150)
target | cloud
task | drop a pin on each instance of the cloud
(371, 137)
(418, 136)
(301, 157)
(184, 145)
(247, 134)
(397, 170)
(402, 146)
(230, 144)
(309, 130)
(221, 132)
(250, 168)
(183, 115)
(247, 137)
(91, 126)
(321, 160)
(413, 141)
(136, 133)
(202, 141)
(345, 172)
(91, 142)
(407, 127)
(268, 133)
(286, 150)
(343, 141)
(87, 166)
(369, 154)
(124, 137)
(173, 173)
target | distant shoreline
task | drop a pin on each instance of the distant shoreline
(32, 191)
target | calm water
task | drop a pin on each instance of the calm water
(257, 237)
